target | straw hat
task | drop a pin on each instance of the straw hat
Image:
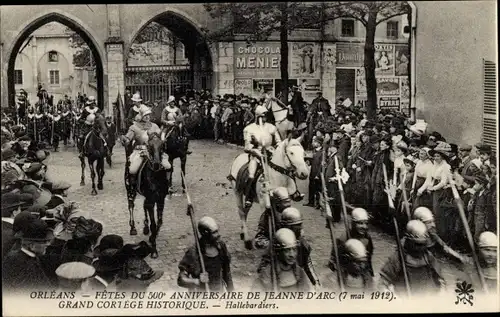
(442, 148)
(136, 97)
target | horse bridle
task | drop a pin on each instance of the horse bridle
(148, 156)
(290, 172)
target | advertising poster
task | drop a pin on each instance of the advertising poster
(349, 55)
(402, 60)
(278, 86)
(405, 89)
(260, 85)
(388, 86)
(305, 60)
(384, 59)
(360, 82)
(257, 60)
(243, 86)
(329, 60)
(309, 88)
(389, 103)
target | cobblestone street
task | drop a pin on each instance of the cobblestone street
(212, 195)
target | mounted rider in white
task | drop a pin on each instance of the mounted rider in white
(139, 132)
(258, 137)
(171, 117)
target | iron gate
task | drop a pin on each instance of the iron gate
(158, 82)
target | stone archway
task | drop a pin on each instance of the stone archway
(72, 24)
(197, 73)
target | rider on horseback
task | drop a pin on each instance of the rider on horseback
(139, 132)
(87, 120)
(257, 137)
(172, 117)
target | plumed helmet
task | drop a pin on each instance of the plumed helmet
(416, 231)
(260, 111)
(291, 216)
(356, 249)
(136, 97)
(144, 110)
(90, 119)
(281, 193)
(359, 214)
(207, 225)
(285, 239)
(423, 214)
(487, 239)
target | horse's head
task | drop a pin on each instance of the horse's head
(293, 156)
(155, 149)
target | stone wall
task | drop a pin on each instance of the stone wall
(225, 74)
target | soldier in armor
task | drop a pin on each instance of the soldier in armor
(67, 121)
(40, 126)
(291, 218)
(21, 106)
(56, 129)
(280, 199)
(258, 137)
(358, 231)
(134, 111)
(76, 115)
(216, 258)
(356, 267)
(290, 276)
(139, 132)
(87, 119)
(172, 117)
(423, 269)
(31, 123)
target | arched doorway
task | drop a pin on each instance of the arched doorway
(73, 25)
(168, 52)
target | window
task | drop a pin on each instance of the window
(490, 104)
(392, 29)
(53, 57)
(54, 77)
(347, 27)
(18, 77)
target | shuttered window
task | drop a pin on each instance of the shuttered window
(490, 104)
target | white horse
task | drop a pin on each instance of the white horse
(280, 112)
(287, 162)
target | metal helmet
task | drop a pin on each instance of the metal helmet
(423, 214)
(207, 224)
(359, 214)
(291, 216)
(281, 193)
(417, 231)
(144, 110)
(487, 239)
(284, 238)
(260, 111)
(356, 249)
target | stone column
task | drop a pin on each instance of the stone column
(225, 73)
(116, 77)
(113, 11)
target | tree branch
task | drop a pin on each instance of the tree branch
(390, 17)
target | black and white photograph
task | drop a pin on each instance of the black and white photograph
(153, 162)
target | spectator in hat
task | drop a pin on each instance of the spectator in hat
(484, 151)
(22, 269)
(477, 206)
(107, 266)
(59, 191)
(110, 241)
(83, 237)
(12, 221)
(72, 275)
(314, 175)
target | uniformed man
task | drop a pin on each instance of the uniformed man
(290, 276)
(56, 129)
(280, 198)
(258, 136)
(31, 123)
(356, 271)
(91, 108)
(139, 132)
(423, 270)
(488, 245)
(66, 122)
(216, 258)
(87, 120)
(358, 231)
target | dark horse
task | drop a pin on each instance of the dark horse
(177, 147)
(95, 151)
(153, 185)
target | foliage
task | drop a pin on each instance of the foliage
(82, 56)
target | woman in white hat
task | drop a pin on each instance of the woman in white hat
(139, 132)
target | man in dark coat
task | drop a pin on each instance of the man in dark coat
(297, 104)
(22, 269)
(314, 175)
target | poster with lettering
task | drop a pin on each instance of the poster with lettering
(309, 88)
(260, 86)
(329, 60)
(278, 86)
(305, 60)
(257, 60)
(405, 88)
(360, 82)
(387, 86)
(243, 86)
(384, 59)
(349, 55)
(402, 60)
(389, 103)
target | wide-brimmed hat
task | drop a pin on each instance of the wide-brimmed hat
(22, 220)
(484, 148)
(410, 160)
(110, 241)
(144, 111)
(136, 97)
(90, 100)
(442, 148)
